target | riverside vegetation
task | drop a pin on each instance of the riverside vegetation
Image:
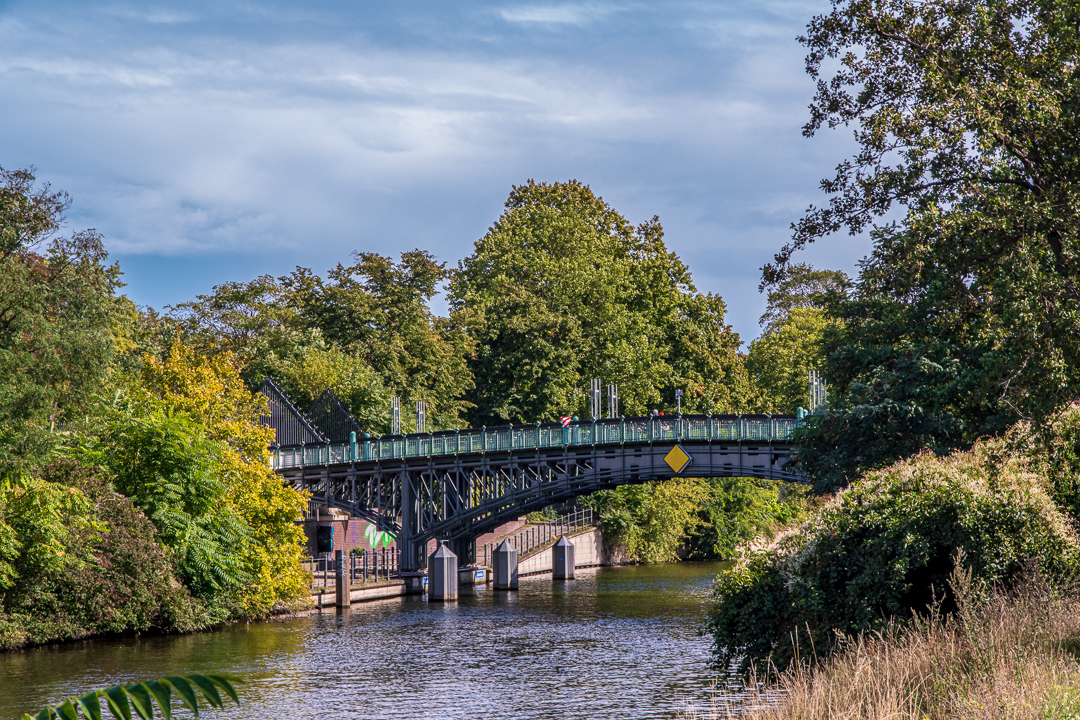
(939, 578)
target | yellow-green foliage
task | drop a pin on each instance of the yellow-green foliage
(210, 391)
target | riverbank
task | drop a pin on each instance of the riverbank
(1007, 656)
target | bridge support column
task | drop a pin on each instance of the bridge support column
(443, 575)
(505, 566)
(562, 559)
(342, 579)
(408, 551)
(465, 551)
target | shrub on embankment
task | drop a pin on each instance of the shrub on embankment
(1001, 655)
(79, 559)
(885, 549)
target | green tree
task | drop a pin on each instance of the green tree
(904, 376)
(378, 311)
(211, 393)
(802, 287)
(652, 521)
(57, 312)
(966, 313)
(363, 331)
(779, 361)
(563, 289)
(791, 345)
(163, 461)
(738, 511)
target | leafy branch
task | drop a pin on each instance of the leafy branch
(122, 700)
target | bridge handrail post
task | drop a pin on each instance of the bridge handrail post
(483, 438)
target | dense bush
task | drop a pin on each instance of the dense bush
(78, 559)
(1053, 452)
(886, 547)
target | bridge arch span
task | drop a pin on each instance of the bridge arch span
(458, 485)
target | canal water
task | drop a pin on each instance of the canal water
(614, 643)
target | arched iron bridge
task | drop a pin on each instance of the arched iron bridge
(456, 485)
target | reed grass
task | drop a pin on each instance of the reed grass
(1001, 655)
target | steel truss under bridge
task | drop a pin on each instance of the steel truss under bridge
(457, 485)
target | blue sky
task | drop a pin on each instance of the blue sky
(213, 141)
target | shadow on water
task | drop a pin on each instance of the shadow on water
(614, 643)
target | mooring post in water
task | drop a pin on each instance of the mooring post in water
(341, 579)
(562, 559)
(505, 566)
(443, 575)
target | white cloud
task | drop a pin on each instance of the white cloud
(563, 14)
(155, 17)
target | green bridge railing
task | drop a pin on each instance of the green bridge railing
(732, 428)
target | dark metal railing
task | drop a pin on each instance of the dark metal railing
(760, 428)
(540, 535)
(364, 566)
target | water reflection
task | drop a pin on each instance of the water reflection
(614, 643)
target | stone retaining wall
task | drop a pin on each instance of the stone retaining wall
(588, 551)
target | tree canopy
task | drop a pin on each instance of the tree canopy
(56, 315)
(965, 315)
(364, 331)
(134, 486)
(563, 289)
(792, 343)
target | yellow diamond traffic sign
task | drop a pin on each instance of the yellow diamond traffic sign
(677, 459)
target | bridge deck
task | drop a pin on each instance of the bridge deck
(727, 428)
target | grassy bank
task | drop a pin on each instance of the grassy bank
(999, 656)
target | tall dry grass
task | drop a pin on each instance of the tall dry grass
(1001, 655)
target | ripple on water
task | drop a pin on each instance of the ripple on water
(614, 643)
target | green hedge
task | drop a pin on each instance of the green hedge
(885, 548)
